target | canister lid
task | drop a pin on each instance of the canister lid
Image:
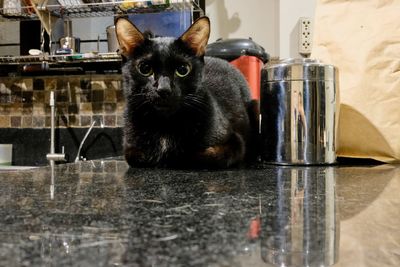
(300, 69)
(230, 49)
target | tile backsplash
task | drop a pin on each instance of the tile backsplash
(24, 101)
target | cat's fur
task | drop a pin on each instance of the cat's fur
(204, 119)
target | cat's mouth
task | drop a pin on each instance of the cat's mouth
(166, 105)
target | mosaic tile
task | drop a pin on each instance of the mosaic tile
(73, 120)
(120, 121)
(50, 84)
(38, 96)
(27, 97)
(38, 121)
(85, 108)
(85, 95)
(110, 107)
(39, 109)
(120, 96)
(27, 84)
(62, 95)
(120, 108)
(5, 98)
(85, 84)
(5, 121)
(110, 120)
(62, 120)
(16, 121)
(110, 96)
(74, 90)
(4, 89)
(15, 92)
(86, 120)
(15, 108)
(62, 83)
(97, 107)
(61, 108)
(97, 85)
(26, 121)
(5, 109)
(73, 109)
(47, 96)
(47, 121)
(99, 119)
(97, 95)
(27, 108)
(38, 84)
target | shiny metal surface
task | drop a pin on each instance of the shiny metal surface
(112, 42)
(306, 230)
(70, 43)
(293, 69)
(299, 112)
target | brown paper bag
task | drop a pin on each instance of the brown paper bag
(362, 38)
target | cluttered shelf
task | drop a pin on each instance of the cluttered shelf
(25, 9)
(45, 64)
(45, 57)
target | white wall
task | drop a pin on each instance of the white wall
(271, 23)
(257, 19)
(9, 34)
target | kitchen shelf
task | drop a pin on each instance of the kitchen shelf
(56, 64)
(87, 57)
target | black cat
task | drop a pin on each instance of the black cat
(182, 109)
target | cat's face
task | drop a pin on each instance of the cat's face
(161, 72)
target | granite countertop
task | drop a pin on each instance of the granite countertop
(101, 213)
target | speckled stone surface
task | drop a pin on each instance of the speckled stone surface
(101, 213)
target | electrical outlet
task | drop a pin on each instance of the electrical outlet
(305, 36)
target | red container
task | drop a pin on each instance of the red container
(250, 66)
(244, 54)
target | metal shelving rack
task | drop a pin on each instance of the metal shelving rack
(94, 8)
(48, 11)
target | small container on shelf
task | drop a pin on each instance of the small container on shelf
(128, 5)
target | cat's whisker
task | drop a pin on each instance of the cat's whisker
(138, 94)
(197, 101)
(138, 104)
(196, 106)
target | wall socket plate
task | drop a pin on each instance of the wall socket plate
(305, 36)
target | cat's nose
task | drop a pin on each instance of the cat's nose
(164, 92)
(164, 87)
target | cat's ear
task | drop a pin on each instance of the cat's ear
(129, 37)
(196, 37)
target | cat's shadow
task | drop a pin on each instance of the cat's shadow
(227, 25)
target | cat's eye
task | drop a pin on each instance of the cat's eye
(145, 69)
(183, 70)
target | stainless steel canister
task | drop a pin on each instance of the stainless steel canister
(112, 41)
(70, 43)
(299, 112)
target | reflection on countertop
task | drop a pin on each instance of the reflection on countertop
(101, 213)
